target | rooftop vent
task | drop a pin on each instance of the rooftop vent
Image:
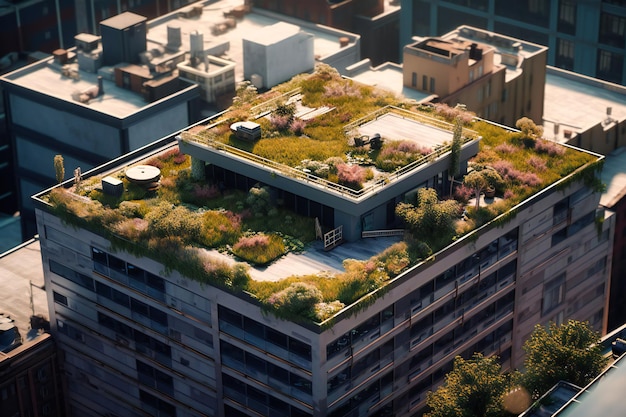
(60, 56)
(174, 40)
(112, 186)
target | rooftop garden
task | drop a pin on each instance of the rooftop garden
(215, 236)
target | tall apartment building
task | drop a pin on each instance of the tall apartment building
(142, 338)
(499, 78)
(585, 37)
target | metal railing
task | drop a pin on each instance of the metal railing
(333, 237)
(341, 189)
(382, 233)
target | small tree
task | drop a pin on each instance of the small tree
(569, 352)
(59, 168)
(530, 131)
(480, 180)
(474, 388)
(477, 182)
(430, 220)
(455, 151)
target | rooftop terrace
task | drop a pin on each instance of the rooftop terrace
(218, 235)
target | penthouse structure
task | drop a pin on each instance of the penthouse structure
(498, 77)
(171, 327)
(585, 37)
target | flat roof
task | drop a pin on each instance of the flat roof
(18, 269)
(614, 177)
(45, 77)
(388, 76)
(123, 20)
(325, 41)
(576, 102)
(604, 396)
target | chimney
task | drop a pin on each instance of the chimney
(60, 56)
(344, 41)
(100, 87)
(173, 36)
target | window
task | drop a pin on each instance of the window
(609, 66)
(612, 29)
(414, 79)
(567, 17)
(565, 54)
(59, 298)
(424, 82)
(553, 294)
(432, 85)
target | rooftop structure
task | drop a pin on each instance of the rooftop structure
(226, 23)
(487, 72)
(186, 329)
(584, 37)
(583, 111)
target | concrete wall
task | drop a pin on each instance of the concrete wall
(61, 124)
(160, 125)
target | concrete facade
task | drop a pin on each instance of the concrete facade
(499, 78)
(164, 341)
(585, 37)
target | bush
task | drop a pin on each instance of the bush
(297, 300)
(259, 249)
(351, 176)
(397, 154)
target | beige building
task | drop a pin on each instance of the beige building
(497, 77)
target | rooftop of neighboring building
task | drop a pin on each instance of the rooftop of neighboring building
(387, 76)
(47, 76)
(509, 52)
(614, 177)
(219, 26)
(22, 287)
(574, 103)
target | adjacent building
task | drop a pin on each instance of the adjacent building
(31, 380)
(497, 77)
(377, 22)
(584, 37)
(140, 337)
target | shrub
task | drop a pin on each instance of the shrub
(351, 176)
(258, 199)
(205, 191)
(463, 193)
(538, 163)
(297, 300)
(259, 249)
(506, 148)
(129, 208)
(451, 113)
(395, 258)
(132, 229)
(220, 227)
(397, 153)
(325, 310)
(550, 148)
(297, 126)
(280, 122)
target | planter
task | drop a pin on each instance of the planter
(490, 192)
